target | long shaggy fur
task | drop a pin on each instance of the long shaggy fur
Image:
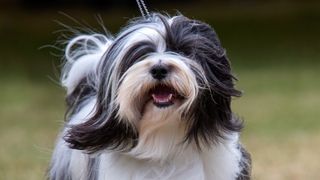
(114, 129)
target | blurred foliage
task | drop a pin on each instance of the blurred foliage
(261, 35)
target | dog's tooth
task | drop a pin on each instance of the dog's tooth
(165, 99)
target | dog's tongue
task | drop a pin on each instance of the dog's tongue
(162, 95)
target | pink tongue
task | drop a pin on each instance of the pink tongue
(162, 97)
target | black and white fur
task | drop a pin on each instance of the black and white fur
(152, 102)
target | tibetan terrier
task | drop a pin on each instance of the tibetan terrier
(151, 103)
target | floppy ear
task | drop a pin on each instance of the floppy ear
(90, 59)
(82, 54)
(102, 131)
(211, 113)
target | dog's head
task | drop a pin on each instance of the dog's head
(163, 82)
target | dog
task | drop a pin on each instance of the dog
(151, 103)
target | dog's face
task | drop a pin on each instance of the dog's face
(162, 83)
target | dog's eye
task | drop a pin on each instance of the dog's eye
(138, 51)
(135, 53)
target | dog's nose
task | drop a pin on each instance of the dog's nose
(159, 71)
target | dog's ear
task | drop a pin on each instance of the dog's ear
(103, 131)
(84, 69)
(82, 54)
(211, 113)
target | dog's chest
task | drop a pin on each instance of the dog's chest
(220, 164)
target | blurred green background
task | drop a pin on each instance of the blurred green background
(274, 47)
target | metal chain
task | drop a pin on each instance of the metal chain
(143, 8)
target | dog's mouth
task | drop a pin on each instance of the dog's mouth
(163, 96)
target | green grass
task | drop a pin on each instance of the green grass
(279, 102)
(31, 114)
(280, 107)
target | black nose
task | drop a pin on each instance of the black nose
(159, 71)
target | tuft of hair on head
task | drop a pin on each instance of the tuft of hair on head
(82, 56)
